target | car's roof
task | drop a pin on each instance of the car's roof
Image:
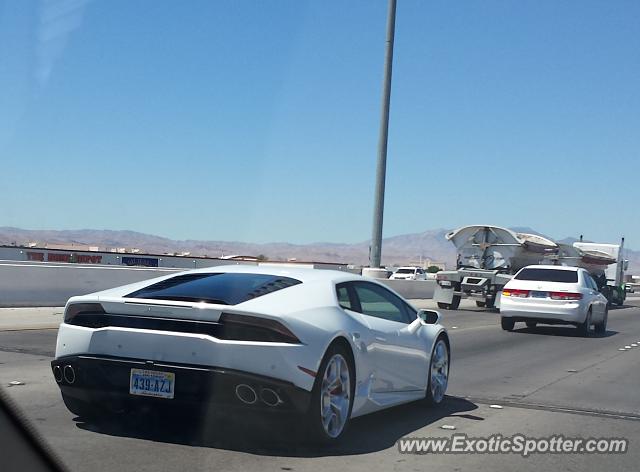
(309, 277)
(554, 267)
(304, 274)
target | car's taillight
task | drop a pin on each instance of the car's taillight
(82, 309)
(565, 296)
(514, 292)
(441, 277)
(253, 328)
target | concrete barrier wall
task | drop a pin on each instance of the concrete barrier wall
(44, 284)
(412, 288)
(29, 284)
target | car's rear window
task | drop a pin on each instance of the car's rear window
(222, 288)
(548, 275)
(405, 271)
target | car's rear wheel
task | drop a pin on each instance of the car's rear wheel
(507, 323)
(438, 373)
(585, 328)
(480, 304)
(531, 324)
(601, 327)
(332, 396)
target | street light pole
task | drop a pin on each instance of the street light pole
(381, 169)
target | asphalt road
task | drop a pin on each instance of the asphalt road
(548, 380)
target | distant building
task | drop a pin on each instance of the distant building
(81, 254)
(238, 257)
(67, 246)
(426, 263)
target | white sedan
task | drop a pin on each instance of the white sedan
(326, 344)
(409, 273)
(554, 295)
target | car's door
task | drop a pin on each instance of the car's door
(400, 356)
(595, 297)
(602, 300)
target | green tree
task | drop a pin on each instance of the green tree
(433, 269)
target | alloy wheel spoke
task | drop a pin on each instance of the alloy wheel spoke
(332, 376)
(327, 414)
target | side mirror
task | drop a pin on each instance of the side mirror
(429, 316)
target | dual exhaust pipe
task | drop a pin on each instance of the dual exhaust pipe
(66, 373)
(248, 395)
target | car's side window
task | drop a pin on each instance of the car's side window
(380, 303)
(590, 282)
(343, 296)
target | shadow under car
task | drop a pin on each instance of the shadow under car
(265, 435)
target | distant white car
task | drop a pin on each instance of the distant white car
(327, 345)
(409, 273)
(554, 295)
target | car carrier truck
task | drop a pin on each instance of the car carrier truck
(488, 256)
(610, 279)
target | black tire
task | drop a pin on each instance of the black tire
(531, 324)
(584, 329)
(81, 408)
(507, 323)
(429, 399)
(618, 297)
(601, 328)
(480, 304)
(316, 431)
(490, 302)
(443, 306)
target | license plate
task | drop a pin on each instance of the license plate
(152, 383)
(535, 294)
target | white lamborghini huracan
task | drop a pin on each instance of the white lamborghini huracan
(326, 344)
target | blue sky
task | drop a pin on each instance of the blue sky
(258, 121)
